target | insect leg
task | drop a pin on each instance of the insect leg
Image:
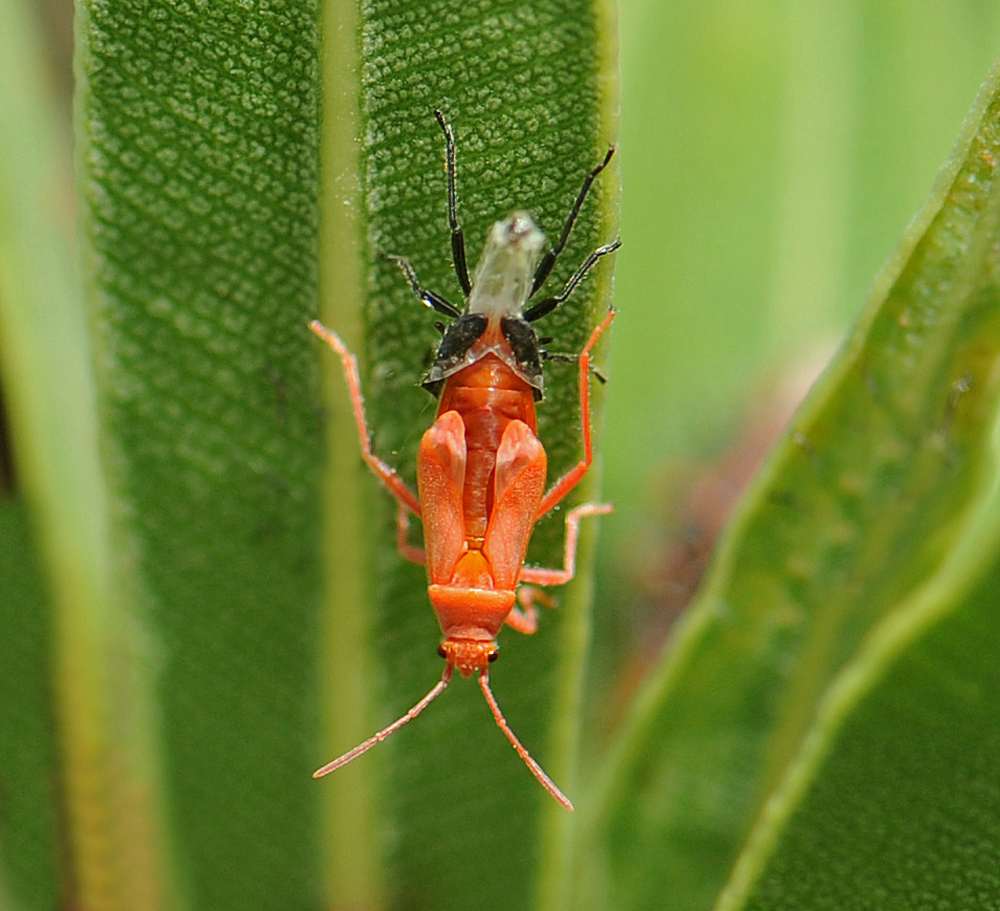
(524, 619)
(549, 259)
(539, 576)
(431, 298)
(550, 303)
(571, 359)
(406, 497)
(572, 477)
(411, 553)
(457, 235)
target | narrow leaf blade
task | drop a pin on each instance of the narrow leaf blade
(856, 510)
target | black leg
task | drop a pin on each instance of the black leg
(550, 303)
(549, 259)
(457, 235)
(572, 359)
(431, 298)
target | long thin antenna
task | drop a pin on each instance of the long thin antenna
(395, 726)
(536, 769)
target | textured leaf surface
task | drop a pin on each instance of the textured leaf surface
(198, 128)
(894, 802)
(855, 513)
(529, 91)
(201, 180)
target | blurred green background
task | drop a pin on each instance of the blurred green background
(771, 155)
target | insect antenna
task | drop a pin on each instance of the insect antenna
(395, 726)
(536, 769)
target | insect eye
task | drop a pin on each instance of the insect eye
(492, 656)
(442, 652)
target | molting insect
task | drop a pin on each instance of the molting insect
(481, 469)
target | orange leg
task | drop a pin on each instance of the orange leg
(538, 576)
(524, 619)
(409, 551)
(380, 469)
(573, 477)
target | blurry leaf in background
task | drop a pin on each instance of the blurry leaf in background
(895, 798)
(864, 524)
(55, 773)
(772, 155)
(28, 821)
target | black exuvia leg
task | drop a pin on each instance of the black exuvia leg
(550, 303)
(549, 259)
(457, 235)
(567, 358)
(431, 298)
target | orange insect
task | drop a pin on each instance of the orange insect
(481, 470)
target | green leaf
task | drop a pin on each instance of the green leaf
(529, 92)
(198, 134)
(858, 520)
(893, 798)
(189, 692)
(55, 609)
(28, 826)
(201, 182)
